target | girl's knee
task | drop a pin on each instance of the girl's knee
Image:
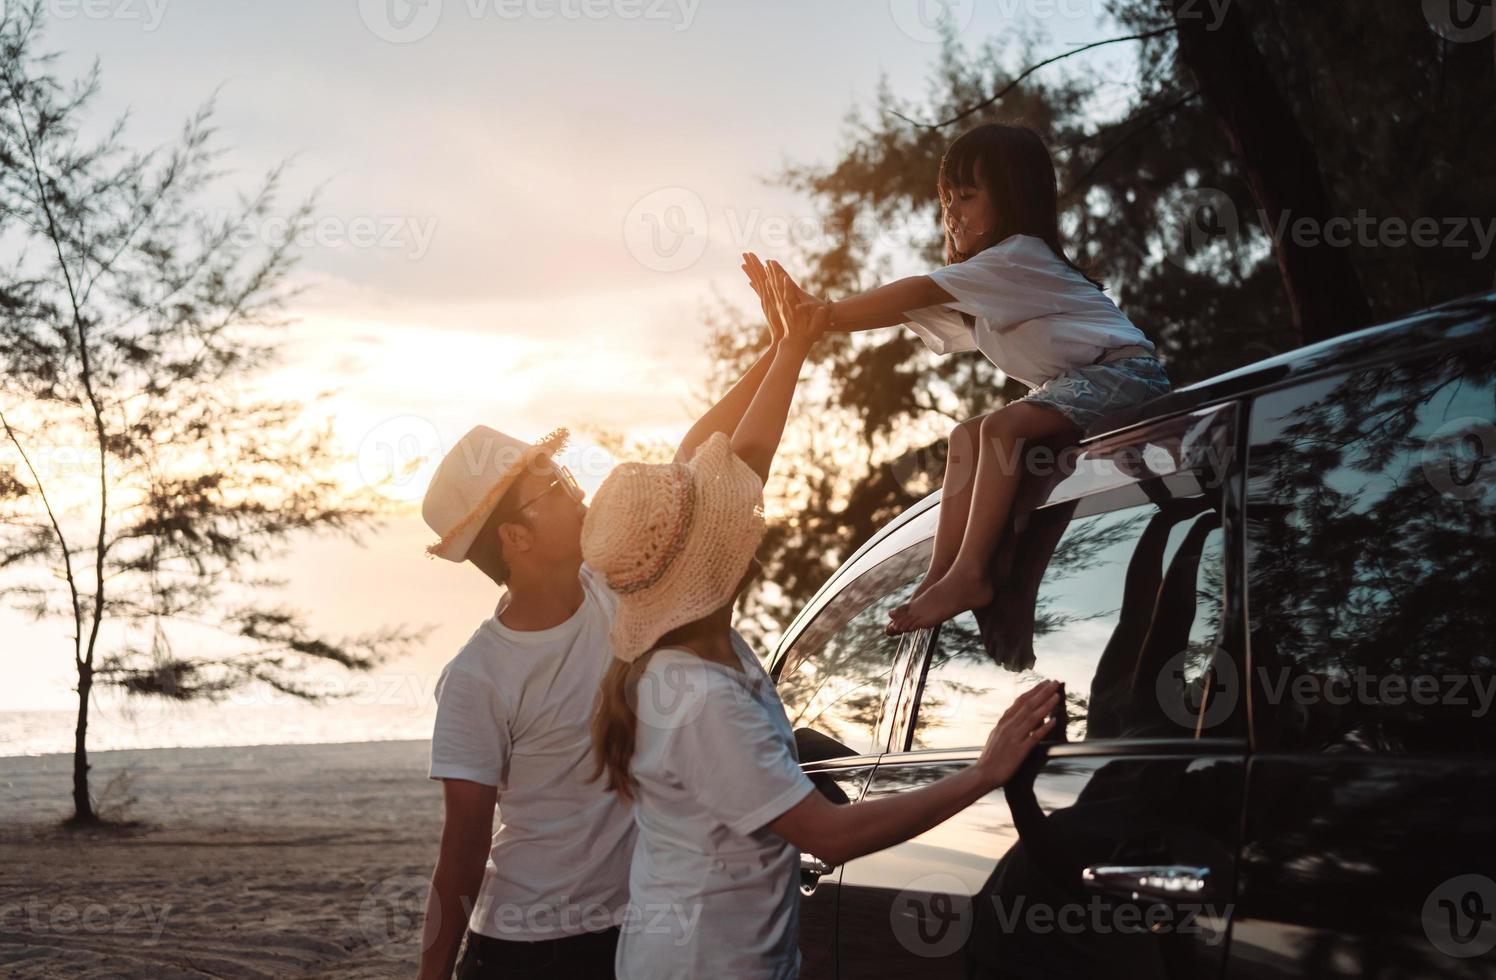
(1000, 425)
(968, 429)
(963, 439)
(1023, 421)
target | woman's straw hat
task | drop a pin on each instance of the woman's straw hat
(673, 540)
(472, 478)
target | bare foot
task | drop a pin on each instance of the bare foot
(932, 576)
(955, 593)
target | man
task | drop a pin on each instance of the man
(546, 895)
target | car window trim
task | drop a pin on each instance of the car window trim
(1232, 413)
(1171, 747)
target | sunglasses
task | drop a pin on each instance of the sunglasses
(564, 480)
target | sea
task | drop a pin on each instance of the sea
(152, 725)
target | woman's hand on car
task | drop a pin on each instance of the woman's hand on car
(1027, 720)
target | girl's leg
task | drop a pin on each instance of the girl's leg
(955, 500)
(1004, 437)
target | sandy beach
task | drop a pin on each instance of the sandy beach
(266, 861)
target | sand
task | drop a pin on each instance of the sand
(269, 861)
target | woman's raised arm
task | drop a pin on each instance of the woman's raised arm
(756, 440)
(728, 412)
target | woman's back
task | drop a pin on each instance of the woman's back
(713, 891)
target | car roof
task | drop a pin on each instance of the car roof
(1464, 319)
(1406, 337)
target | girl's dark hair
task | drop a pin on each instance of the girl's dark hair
(1014, 165)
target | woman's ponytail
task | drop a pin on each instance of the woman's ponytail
(615, 724)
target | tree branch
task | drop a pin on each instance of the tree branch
(1150, 119)
(1029, 71)
(86, 368)
(62, 541)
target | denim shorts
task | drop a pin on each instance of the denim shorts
(1088, 394)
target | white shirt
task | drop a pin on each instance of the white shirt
(1027, 310)
(513, 711)
(716, 893)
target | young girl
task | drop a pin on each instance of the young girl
(1009, 291)
(690, 728)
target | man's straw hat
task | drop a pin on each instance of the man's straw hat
(673, 540)
(471, 479)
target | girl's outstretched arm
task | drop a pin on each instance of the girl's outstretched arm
(756, 440)
(728, 412)
(883, 306)
(886, 306)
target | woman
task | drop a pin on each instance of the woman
(690, 728)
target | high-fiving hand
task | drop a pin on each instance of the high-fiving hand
(758, 278)
(790, 310)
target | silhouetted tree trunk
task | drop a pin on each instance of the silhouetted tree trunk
(1281, 166)
(83, 811)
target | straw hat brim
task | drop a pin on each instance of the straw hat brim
(726, 530)
(455, 543)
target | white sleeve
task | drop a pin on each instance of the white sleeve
(944, 330)
(1016, 280)
(471, 737)
(735, 762)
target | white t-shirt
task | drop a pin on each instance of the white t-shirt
(1030, 313)
(513, 711)
(715, 893)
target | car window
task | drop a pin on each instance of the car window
(1371, 559)
(1125, 612)
(835, 676)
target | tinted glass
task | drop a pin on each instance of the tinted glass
(1371, 523)
(835, 677)
(1126, 612)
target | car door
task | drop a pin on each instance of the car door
(837, 677)
(1371, 514)
(1112, 853)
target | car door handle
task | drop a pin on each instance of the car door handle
(812, 865)
(811, 870)
(1158, 882)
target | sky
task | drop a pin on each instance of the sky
(524, 208)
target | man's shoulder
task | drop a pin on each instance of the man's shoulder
(480, 656)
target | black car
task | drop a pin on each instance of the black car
(1271, 598)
